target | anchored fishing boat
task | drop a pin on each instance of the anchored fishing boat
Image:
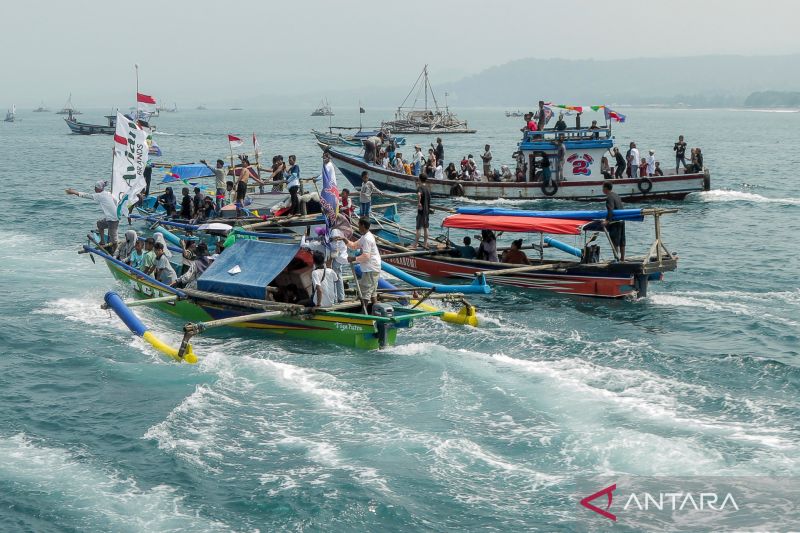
(585, 274)
(582, 178)
(11, 114)
(68, 108)
(354, 139)
(239, 290)
(425, 120)
(324, 110)
(84, 128)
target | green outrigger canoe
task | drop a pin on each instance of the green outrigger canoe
(222, 298)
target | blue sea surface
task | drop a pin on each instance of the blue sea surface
(451, 429)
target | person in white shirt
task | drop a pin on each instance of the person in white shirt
(370, 261)
(634, 153)
(323, 282)
(416, 161)
(327, 168)
(339, 261)
(651, 163)
(438, 174)
(110, 220)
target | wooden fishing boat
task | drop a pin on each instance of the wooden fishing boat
(425, 120)
(84, 128)
(68, 108)
(354, 139)
(585, 274)
(11, 114)
(244, 300)
(582, 179)
(324, 109)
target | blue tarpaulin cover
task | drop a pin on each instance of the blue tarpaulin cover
(190, 171)
(619, 214)
(260, 262)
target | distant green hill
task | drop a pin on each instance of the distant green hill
(773, 99)
(701, 81)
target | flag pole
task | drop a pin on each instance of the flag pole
(136, 100)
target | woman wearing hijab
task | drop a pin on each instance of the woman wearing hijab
(159, 238)
(127, 247)
(168, 201)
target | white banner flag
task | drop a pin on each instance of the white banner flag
(130, 158)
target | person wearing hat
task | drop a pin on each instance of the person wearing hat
(110, 220)
(651, 163)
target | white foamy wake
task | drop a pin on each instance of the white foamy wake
(501, 201)
(723, 195)
(81, 496)
(723, 306)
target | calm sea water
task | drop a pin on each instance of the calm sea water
(453, 428)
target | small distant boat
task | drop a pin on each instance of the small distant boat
(41, 109)
(11, 114)
(324, 109)
(236, 108)
(84, 128)
(68, 108)
(425, 120)
(516, 113)
(201, 108)
(338, 139)
(173, 109)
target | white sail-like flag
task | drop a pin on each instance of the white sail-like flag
(130, 159)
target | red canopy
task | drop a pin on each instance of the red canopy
(555, 226)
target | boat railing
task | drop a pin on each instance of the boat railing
(569, 134)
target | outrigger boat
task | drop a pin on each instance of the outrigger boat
(68, 108)
(585, 274)
(84, 128)
(582, 180)
(237, 290)
(356, 139)
(425, 120)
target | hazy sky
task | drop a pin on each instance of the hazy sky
(222, 50)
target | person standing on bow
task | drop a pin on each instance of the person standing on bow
(219, 181)
(110, 220)
(634, 165)
(417, 160)
(368, 188)
(487, 160)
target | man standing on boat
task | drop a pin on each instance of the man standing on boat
(620, 167)
(634, 153)
(110, 220)
(370, 261)
(423, 210)
(616, 229)
(561, 157)
(680, 153)
(439, 150)
(487, 160)
(219, 181)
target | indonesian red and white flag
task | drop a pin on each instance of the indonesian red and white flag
(145, 103)
(256, 146)
(234, 141)
(130, 159)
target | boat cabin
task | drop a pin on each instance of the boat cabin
(584, 146)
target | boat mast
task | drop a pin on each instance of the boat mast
(427, 84)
